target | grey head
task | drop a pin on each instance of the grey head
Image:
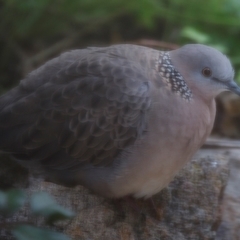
(206, 71)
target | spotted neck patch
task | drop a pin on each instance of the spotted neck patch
(172, 77)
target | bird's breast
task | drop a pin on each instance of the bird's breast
(174, 134)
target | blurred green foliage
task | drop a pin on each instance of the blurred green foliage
(26, 232)
(41, 204)
(44, 205)
(32, 31)
(11, 201)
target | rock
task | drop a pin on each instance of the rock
(227, 122)
(230, 226)
(189, 208)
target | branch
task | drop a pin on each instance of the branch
(155, 43)
(221, 143)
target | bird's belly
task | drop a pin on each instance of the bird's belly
(155, 163)
(160, 170)
(154, 166)
(151, 187)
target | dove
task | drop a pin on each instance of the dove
(119, 120)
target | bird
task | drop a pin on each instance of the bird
(120, 120)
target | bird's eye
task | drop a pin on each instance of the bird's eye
(207, 72)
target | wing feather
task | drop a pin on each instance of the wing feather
(88, 105)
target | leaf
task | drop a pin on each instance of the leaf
(3, 201)
(195, 35)
(43, 204)
(11, 201)
(26, 232)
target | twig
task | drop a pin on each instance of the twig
(221, 143)
(155, 43)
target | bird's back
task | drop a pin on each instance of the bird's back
(84, 106)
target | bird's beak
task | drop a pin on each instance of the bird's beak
(233, 87)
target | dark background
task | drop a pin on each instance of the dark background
(33, 31)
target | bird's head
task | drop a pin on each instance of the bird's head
(206, 71)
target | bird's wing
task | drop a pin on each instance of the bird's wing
(85, 106)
